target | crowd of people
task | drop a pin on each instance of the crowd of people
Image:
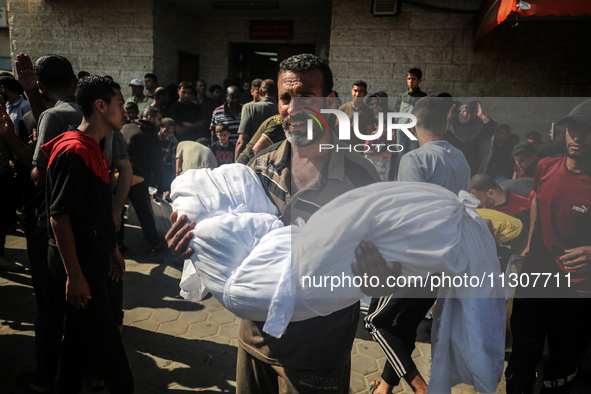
(73, 151)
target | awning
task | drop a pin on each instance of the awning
(493, 12)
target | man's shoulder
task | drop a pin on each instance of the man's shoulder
(270, 154)
(550, 163)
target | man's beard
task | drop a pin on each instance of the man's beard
(300, 139)
(583, 155)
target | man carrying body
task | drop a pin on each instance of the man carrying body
(393, 321)
(314, 354)
(559, 245)
(255, 114)
(493, 196)
(83, 251)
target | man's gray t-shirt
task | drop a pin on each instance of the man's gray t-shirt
(436, 162)
(64, 116)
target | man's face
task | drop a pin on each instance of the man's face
(358, 92)
(465, 115)
(149, 83)
(412, 82)
(217, 93)
(156, 120)
(486, 200)
(535, 142)
(246, 86)
(132, 113)
(502, 134)
(184, 95)
(376, 106)
(115, 112)
(293, 85)
(232, 95)
(223, 137)
(524, 162)
(578, 142)
(200, 87)
(166, 133)
(137, 90)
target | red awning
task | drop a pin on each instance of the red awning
(493, 12)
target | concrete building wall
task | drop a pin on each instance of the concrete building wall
(216, 35)
(107, 37)
(4, 36)
(174, 32)
(533, 58)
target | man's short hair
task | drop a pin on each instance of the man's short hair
(256, 83)
(160, 93)
(431, 113)
(94, 88)
(416, 72)
(524, 149)
(150, 111)
(11, 84)
(534, 135)
(269, 88)
(213, 88)
(168, 122)
(204, 141)
(307, 62)
(54, 72)
(152, 76)
(131, 105)
(222, 127)
(186, 85)
(482, 183)
(506, 127)
(360, 82)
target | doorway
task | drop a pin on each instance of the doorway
(250, 61)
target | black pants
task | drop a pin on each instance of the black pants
(91, 332)
(392, 323)
(139, 197)
(566, 323)
(49, 323)
(6, 206)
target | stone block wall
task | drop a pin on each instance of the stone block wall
(174, 32)
(534, 58)
(216, 35)
(107, 37)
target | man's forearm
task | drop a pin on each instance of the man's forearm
(123, 184)
(22, 151)
(64, 238)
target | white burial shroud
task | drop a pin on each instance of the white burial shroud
(255, 266)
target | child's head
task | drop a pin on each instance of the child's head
(414, 78)
(132, 111)
(525, 155)
(223, 133)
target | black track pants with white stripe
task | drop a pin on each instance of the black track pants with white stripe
(392, 323)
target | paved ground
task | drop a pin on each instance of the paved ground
(173, 345)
